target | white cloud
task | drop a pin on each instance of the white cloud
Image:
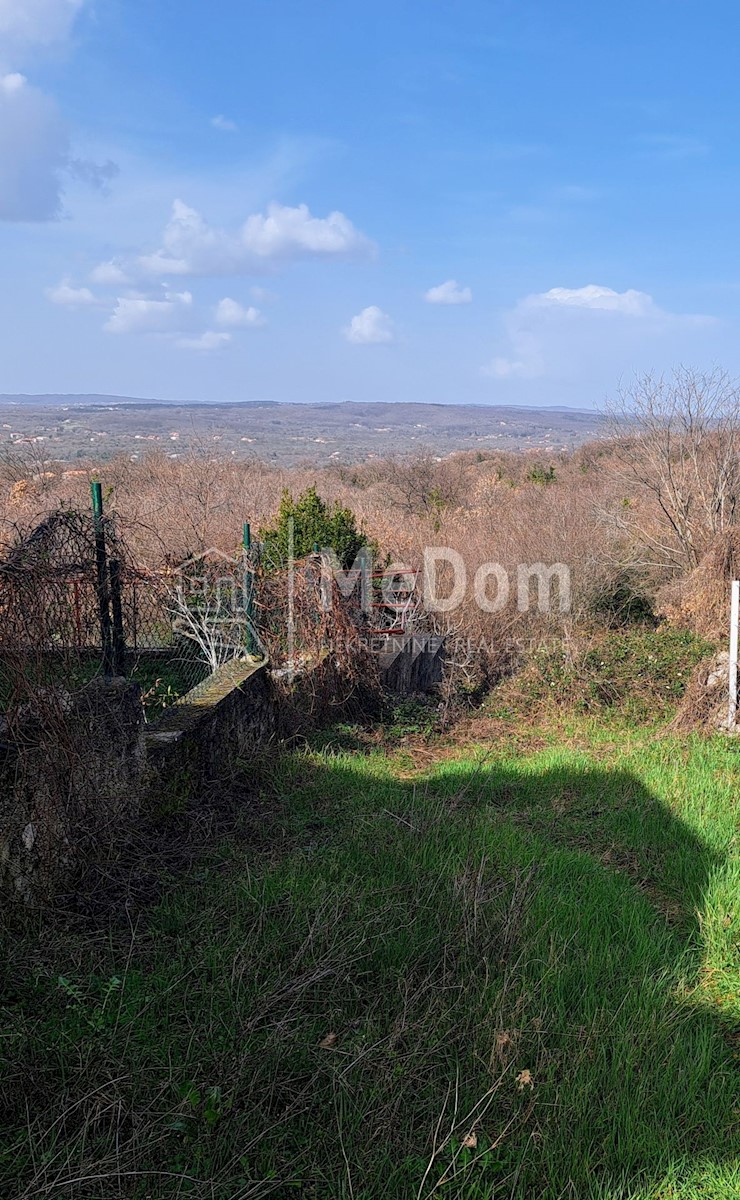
(34, 139)
(210, 340)
(28, 23)
(563, 331)
(34, 151)
(370, 327)
(139, 314)
(292, 232)
(631, 302)
(449, 292)
(35, 154)
(71, 297)
(224, 124)
(192, 247)
(109, 274)
(233, 315)
(174, 318)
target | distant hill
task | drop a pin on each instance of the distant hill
(54, 400)
(97, 427)
(62, 399)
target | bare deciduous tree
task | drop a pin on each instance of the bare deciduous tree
(678, 440)
(427, 486)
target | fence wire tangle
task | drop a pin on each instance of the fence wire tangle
(74, 604)
(48, 584)
(298, 627)
(49, 605)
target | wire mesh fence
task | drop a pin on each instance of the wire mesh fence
(48, 584)
(50, 605)
(74, 604)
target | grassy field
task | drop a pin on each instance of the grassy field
(508, 968)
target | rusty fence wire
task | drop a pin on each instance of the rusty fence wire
(73, 604)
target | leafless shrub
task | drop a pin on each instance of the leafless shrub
(677, 447)
(320, 655)
(425, 486)
(701, 599)
(28, 467)
(703, 708)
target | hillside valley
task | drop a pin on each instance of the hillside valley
(72, 427)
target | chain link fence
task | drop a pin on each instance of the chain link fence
(74, 605)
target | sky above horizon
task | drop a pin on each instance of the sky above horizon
(473, 201)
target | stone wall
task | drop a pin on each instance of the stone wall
(75, 772)
(213, 726)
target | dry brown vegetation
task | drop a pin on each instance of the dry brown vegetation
(643, 520)
(488, 507)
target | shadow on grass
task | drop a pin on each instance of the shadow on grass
(479, 985)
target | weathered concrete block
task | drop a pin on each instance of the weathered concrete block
(214, 725)
(412, 662)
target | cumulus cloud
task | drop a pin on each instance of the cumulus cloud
(449, 292)
(292, 232)
(35, 158)
(28, 23)
(175, 319)
(190, 246)
(210, 340)
(233, 315)
(370, 327)
(140, 314)
(631, 302)
(526, 361)
(70, 297)
(34, 151)
(559, 332)
(109, 274)
(224, 124)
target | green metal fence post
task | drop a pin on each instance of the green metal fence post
(250, 640)
(101, 561)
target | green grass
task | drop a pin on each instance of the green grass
(163, 677)
(514, 974)
(638, 673)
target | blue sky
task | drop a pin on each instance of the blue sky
(448, 200)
